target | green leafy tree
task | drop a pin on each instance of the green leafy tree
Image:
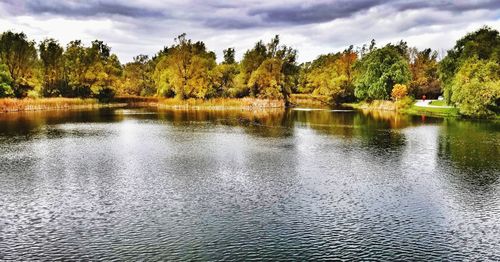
(20, 56)
(476, 88)
(379, 71)
(229, 56)
(51, 55)
(252, 59)
(5, 82)
(484, 44)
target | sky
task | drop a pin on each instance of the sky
(312, 27)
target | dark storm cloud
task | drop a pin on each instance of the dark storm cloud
(313, 13)
(453, 6)
(89, 9)
(219, 14)
(319, 12)
(230, 23)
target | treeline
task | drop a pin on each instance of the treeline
(468, 76)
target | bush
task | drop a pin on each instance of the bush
(405, 102)
(6, 90)
(399, 91)
(106, 94)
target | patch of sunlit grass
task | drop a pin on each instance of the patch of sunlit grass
(29, 104)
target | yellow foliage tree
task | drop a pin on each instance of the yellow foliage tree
(399, 91)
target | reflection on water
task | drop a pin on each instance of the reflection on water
(142, 184)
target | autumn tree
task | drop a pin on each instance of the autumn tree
(267, 80)
(76, 65)
(51, 55)
(20, 56)
(185, 70)
(138, 77)
(424, 73)
(269, 57)
(91, 71)
(399, 91)
(331, 75)
(224, 75)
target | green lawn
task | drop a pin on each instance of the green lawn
(432, 111)
(438, 103)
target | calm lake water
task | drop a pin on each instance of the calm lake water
(139, 184)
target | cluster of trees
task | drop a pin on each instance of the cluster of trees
(51, 70)
(468, 75)
(188, 70)
(471, 73)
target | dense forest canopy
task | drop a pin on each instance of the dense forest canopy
(468, 76)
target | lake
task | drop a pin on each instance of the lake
(145, 184)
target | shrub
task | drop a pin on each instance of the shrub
(399, 91)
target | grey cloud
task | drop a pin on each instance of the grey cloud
(89, 9)
(319, 12)
(230, 23)
(453, 6)
(313, 13)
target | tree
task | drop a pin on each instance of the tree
(185, 70)
(75, 66)
(223, 76)
(19, 54)
(91, 71)
(273, 55)
(476, 88)
(252, 59)
(483, 44)
(267, 80)
(379, 71)
(229, 56)
(51, 55)
(331, 75)
(399, 91)
(5, 82)
(137, 77)
(424, 72)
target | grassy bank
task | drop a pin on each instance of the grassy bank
(405, 107)
(220, 103)
(432, 111)
(308, 100)
(27, 104)
(192, 103)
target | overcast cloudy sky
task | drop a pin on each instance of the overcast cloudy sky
(313, 27)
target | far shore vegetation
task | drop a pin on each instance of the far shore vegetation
(34, 76)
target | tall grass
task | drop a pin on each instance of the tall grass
(221, 103)
(28, 104)
(309, 100)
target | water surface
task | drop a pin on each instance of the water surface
(139, 184)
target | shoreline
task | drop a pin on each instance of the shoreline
(389, 106)
(12, 105)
